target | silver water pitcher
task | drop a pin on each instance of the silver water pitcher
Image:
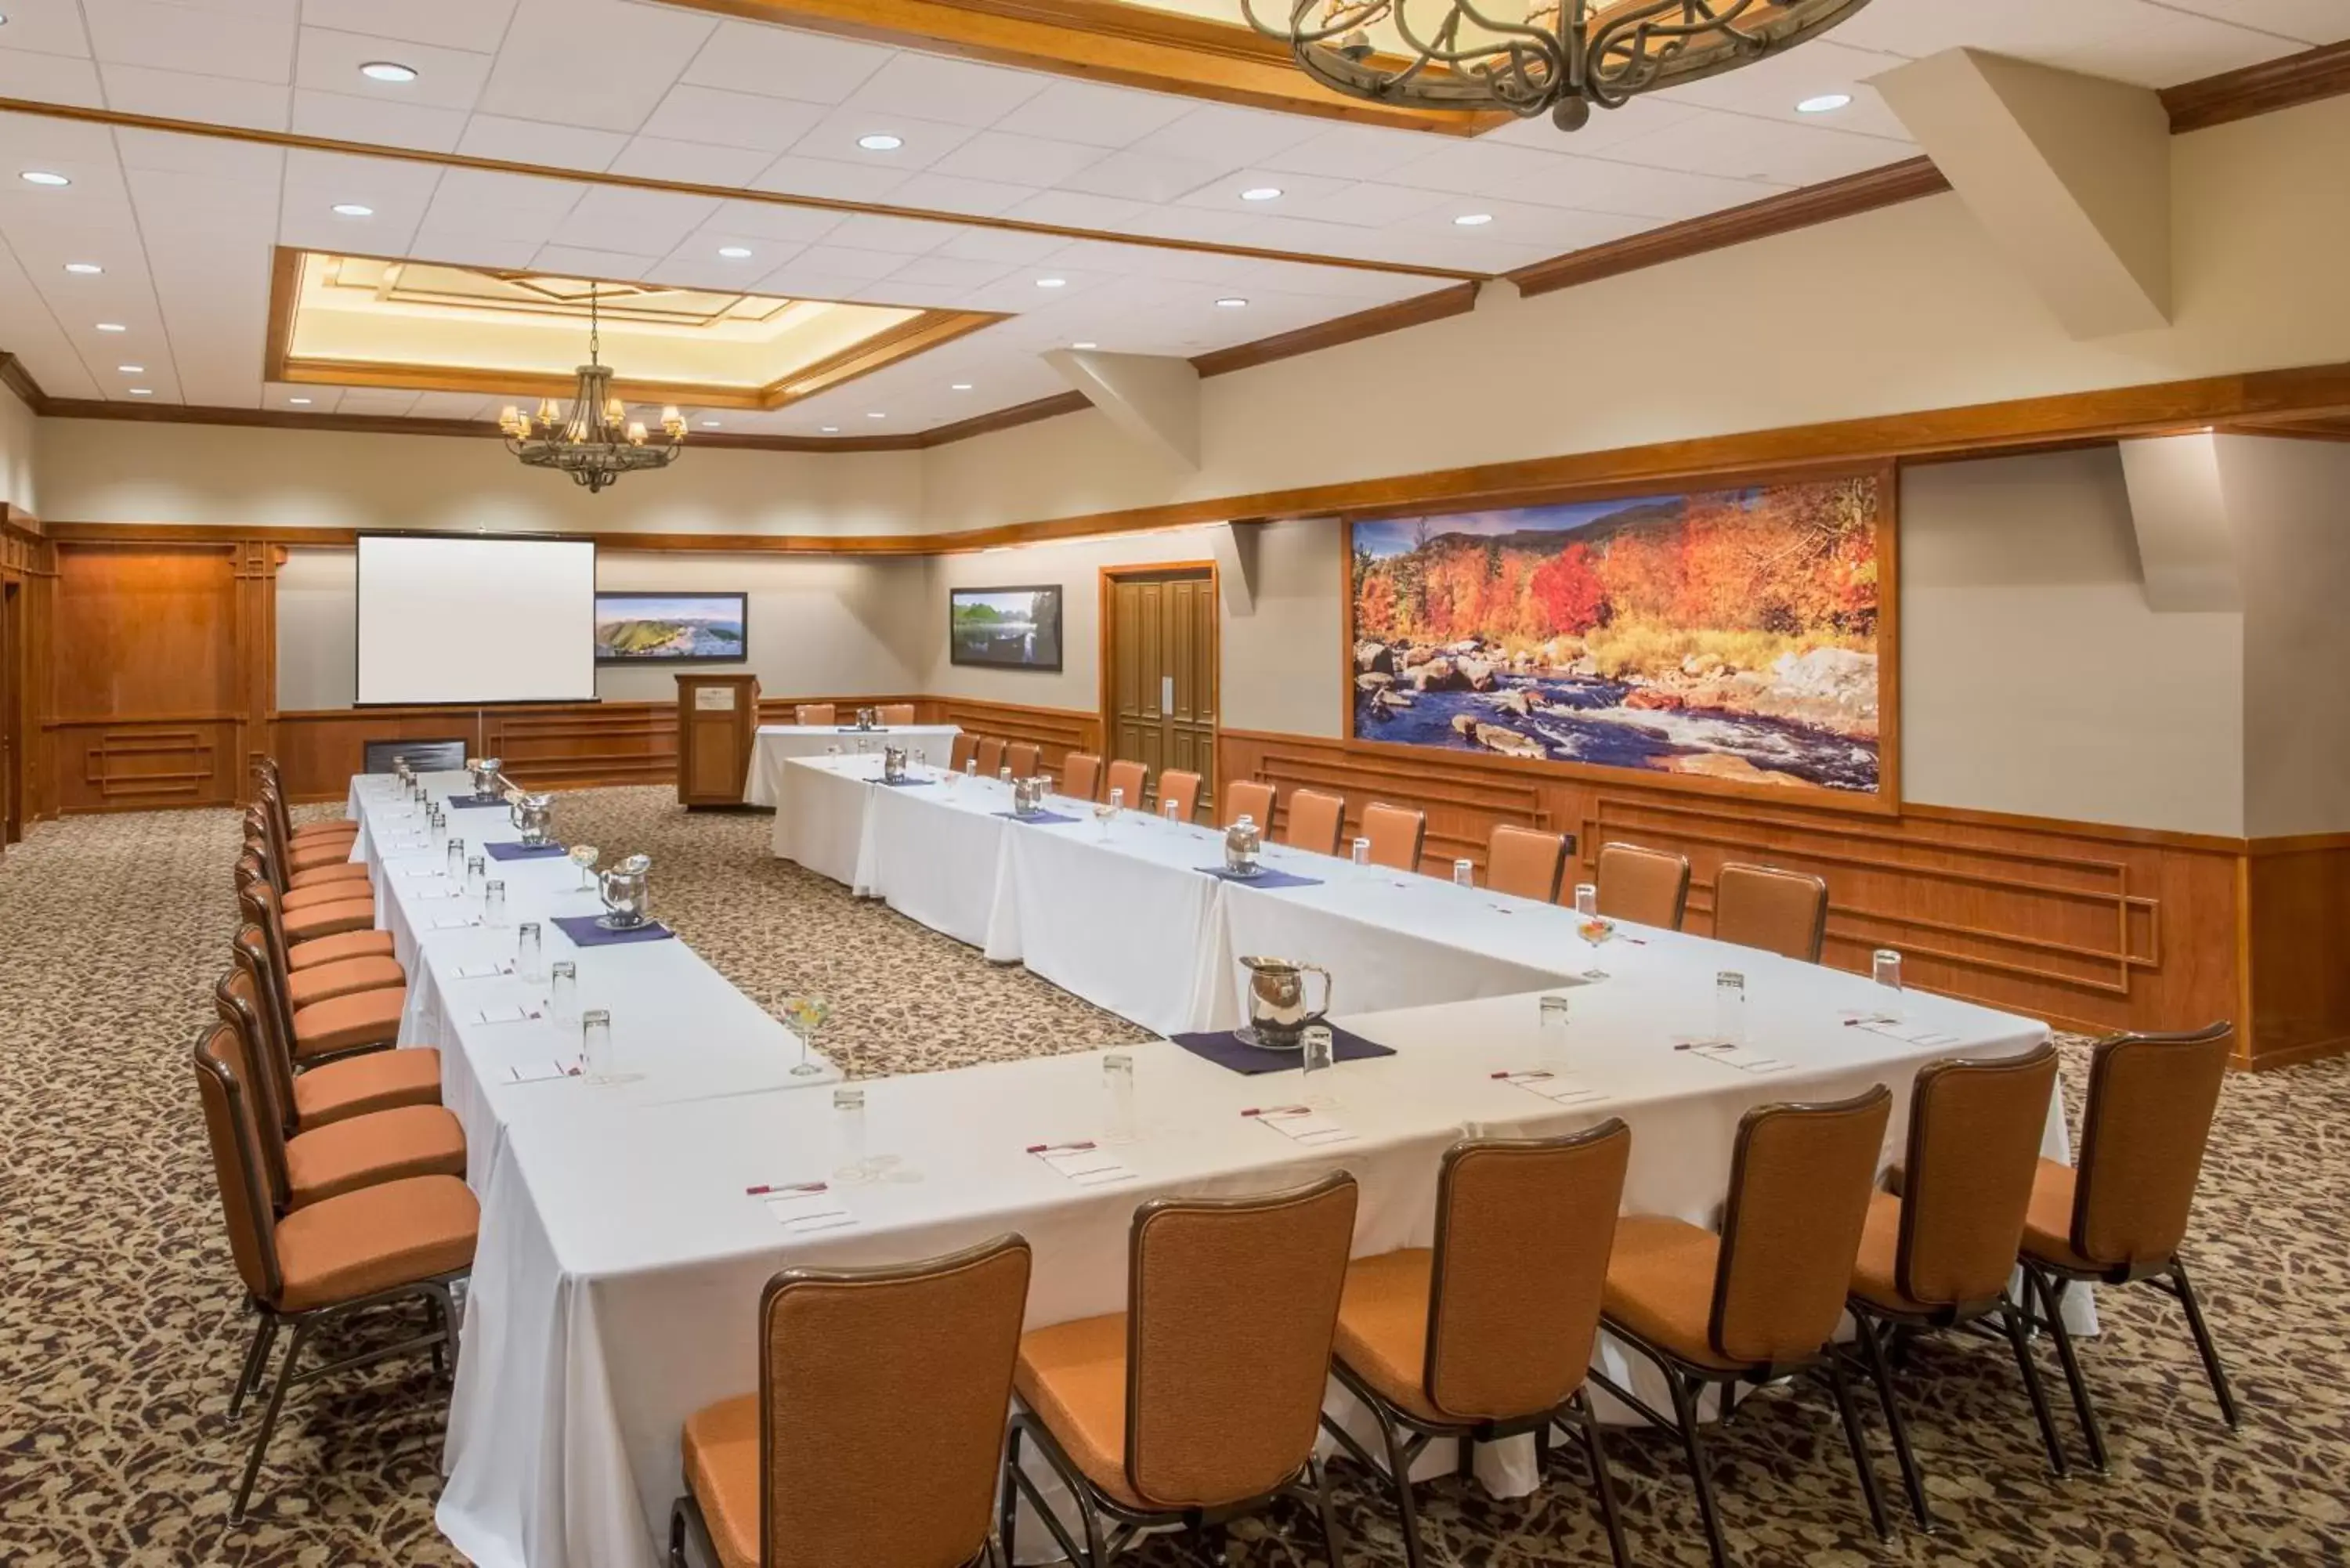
(535, 814)
(628, 894)
(486, 772)
(1277, 1014)
(1028, 795)
(865, 718)
(893, 765)
(1241, 843)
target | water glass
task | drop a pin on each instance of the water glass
(457, 859)
(971, 767)
(1464, 875)
(595, 1057)
(1171, 810)
(833, 750)
(493, 903)
(476, 872)
(1586, 901)
(848, 1133)
(1118, 800)
(527, 950)
(1730, 1008)
(1004, 777)
(1118, 1086)
(921, 761)
(1885, 964)
(1317, 1055)
(1552, 1035)
(1362, 852)
(563, 990)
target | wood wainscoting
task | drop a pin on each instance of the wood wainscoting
(1055, 732)
(2297, 946)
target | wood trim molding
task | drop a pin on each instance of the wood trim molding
(1457, 300)
(2307, 78)
(19, 380)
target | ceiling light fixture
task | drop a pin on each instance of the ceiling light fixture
(830, 430)
(960, 386)
(876, 416)
(84, 269)
(596, 442)
(1230, 302)
(132, 370)
(1826, 103)
(736, 253)
(1565, 58)
(142, 391)
(44, 177)
(299, 402)
(1260, 193)
(1051, 283)
(710, 424)
(387, 71)
(112, 327)
(882, 141)
(1085, 345)
(1473, 220)
(353, 210)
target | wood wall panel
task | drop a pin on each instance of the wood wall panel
(1056, 732)
(2297, 946)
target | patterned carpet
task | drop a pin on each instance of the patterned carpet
(121, 1317)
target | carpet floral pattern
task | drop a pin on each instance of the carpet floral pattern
(121, 1317)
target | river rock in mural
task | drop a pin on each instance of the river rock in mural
(1724, 634)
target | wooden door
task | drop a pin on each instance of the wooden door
(1159, 670)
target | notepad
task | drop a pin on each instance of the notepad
(1918, 1034)
(540, 1072)
(506, 1012)
(1559, 1088)
(420, 871)
(479, 970)
(1744, 1058)
(802, 1212)
(452, 922)
(1088, 1167)
(1303, 1124)
(437, 895)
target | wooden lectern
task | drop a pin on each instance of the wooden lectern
(717, 730)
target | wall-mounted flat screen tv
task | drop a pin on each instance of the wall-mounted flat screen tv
(1014, 629)
(672, 628)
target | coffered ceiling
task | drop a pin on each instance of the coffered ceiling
(682, 143)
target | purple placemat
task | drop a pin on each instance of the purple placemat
(584, 930)
(1040, 819)
(1267, 876)
(519, 851)
(907, 783)
(1224, 1049)
(468, 802)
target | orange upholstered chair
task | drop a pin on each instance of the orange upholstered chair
(1316, 820)
(337, 1025)
(331, 1092)
(322, 980)
(895, 714)
(350, 940)
(1488, 1334)
(814, 715)
(1180, 789)
(316, 919)
(859, 1369)
(1023, 759)
(1252, 798)
(1525, 862)
(1784, 912)
(1397, 834)
(1645, 887)
(965, 749)
(1201, 1400)
(1760, 1301)
(1128, 780)
(991, 757)
(2120, 1216)
(376, 1246)
(1081, 775)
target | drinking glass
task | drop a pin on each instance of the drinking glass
(848, 1132)
(563, 990)
(1362, 852)
(1117, 801)
(1464, 875)
(1317, 1055)
(527, 950)
(806, 1015)
(1004, 777)
(1885, 964)
(457, 859)
(1552, 1033)
(833, 750)
(1118, 1086)
(971, 767)
(1729, 1007)
(921, 762)
(1170, 810)
(493, 903)
(1106, 811)
(476, 872)
(596, 1043)
(584, 857)
(1586, 899)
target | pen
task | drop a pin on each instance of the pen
(1060, 1148)
(1276, 1110)
(765, 1188)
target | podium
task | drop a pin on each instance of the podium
(717, 731)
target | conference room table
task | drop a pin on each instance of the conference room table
(776, 745)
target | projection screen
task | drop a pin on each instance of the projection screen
(468, 618)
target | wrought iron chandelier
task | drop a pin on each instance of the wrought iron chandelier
(598, 441)
(1565, 56)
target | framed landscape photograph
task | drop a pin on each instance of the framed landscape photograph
(672, 628)
(1742, 636)
(1013, 628)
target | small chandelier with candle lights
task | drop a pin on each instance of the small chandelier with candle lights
(597, 443)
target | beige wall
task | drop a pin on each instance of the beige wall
(16, 439)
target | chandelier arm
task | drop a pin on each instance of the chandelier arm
(1435, 48)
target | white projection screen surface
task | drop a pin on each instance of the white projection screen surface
(460, 618)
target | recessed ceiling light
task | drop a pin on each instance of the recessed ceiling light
(1051, 283)
(1473, 220)
(387, 71)
(84, 269)
(1260, 193)
(882, 141)
(142, 391)
(831, 430)
(735, 252)
(112, 327)
(43, 177)
(1085, 345)
(876, 416)
(1230, 302)
(299, 402)
(710, 424)
(1826, 103)
(132, 370)
(353, 210)
(960, 386)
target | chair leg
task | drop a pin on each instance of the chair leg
(677, 1534)
(256, 1362)
(268, 1421)
(2011, 1318)
(1881, 1373)
(1596, 1451)
(1685, 1417)
(1399, 1473)
(1008, 1509)
(2051, 1303)
(1332, 1544)
(2210, 1352)
(1858, 1442)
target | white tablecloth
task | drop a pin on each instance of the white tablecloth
(778, 743)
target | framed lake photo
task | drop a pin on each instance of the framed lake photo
(1743, 637)
(672, 628)
(1012, 629)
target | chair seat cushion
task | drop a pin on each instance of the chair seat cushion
(370, 1150)
(2048, 1223)
(335, 949)
(1073, 1376)
(1660, 1286)
(360, 1086)
(322, 893)
(1383, 1328)
(327, 876)
(721, 1473)
(341, 827)
(329, 919)
(375, 1238)
(325, 981)
(349, 1022)
(1874, 1273)
(310, 856)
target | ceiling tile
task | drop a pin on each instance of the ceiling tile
(841, 261)
(948, 272)
(596, 63)
(216, 156)
(341, 117)
(1223, 192)
(477, 24)
(1078, 210)
(723, 119)
(2305, 21)
(176, 95)
(696, 264)
(47, 27)
(1092, 114)
(931, 87)
(754, 58)
(250, 43)
(488, 206)
(1772, 86)
(1747, 147)
(588, 262)
(827, 178)
(49, 78)
(1143, 176)
(459, 247)
(1368, 204)
(534, 141)
(835, 137)
(641, 222)
(940, 192)
(904, 236)
(1018, 160)
(690, 163)
(1351, 152)
(763, 221)
(798, 280)
(329, 61)
(1229, 136)
(1000, 245)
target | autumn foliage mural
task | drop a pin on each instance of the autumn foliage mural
(1727, 633)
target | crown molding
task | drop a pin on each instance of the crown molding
(1457, 300)
(2307, 78)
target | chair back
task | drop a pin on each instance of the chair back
(1800, 1184)
(896, 715)
(816, 713)
(990, 757)
(1181, 789)
(2151, 1099)
(861, 1368)
(1129, 777)
(965, 749)
(1784, 912)
(1974, 1150)
(268, 1078)
(1230, 1307)
(1397, 833)
(1646, 887)
(229, 1127)
(1524, 1226)
(1252, 798)
(1525, 862)
(259, 948)
(1315, 820)
(1081, 775)
(1023, 759)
